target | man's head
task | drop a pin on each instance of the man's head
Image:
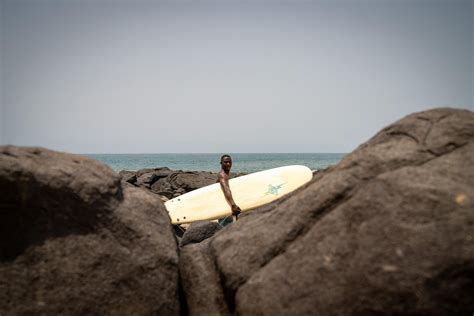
(226, 162)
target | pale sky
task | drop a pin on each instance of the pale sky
(226, 76)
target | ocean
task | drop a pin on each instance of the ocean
(246, 163)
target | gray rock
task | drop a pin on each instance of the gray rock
(201, 281)
(389, 230)
(145, 178)
(128, 176)
(199, 231)
(190, 180)
(160, 172)
(74, 240)
(159, 185)
(170, 183)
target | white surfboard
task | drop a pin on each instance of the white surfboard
(248, 191)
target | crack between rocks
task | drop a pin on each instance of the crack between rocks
(229, 294)
(183, 300)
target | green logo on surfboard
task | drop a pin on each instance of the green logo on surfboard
(273, 189)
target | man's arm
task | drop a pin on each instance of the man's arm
(224, 182)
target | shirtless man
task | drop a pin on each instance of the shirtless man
(223, 179)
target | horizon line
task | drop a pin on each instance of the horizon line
(209, 153)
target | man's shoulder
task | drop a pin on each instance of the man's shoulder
(222, 175)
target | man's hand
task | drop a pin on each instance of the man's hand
(236, 210)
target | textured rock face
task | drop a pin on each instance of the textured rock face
(146, 178)
(201, 281)
(73, 240)
(170, 183)
(389, 230)
(177, 183)
(128, 176)
(199, 231)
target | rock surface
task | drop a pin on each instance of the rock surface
(170, 183)
(128, 176)
(388, 231)
(74, 240)
(180, 182)
(199, 231)
(201, 281)
(145, 178)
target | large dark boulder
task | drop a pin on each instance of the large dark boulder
(387, 231)
(75, 240)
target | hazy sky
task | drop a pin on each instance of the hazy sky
(227, 76)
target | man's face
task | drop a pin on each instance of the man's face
(226, 163)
